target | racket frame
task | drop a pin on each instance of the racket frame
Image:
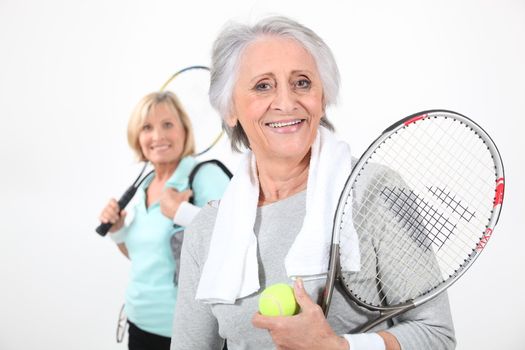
(163, 87)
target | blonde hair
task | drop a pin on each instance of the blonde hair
(141, 112)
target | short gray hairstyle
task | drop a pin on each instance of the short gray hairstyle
(229, 47)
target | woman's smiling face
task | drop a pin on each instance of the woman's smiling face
(278, 98)
(162, 136)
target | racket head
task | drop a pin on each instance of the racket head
(191, 85)
(424, 200)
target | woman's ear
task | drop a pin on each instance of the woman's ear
(231, 120)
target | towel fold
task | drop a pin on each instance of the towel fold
(231, 270)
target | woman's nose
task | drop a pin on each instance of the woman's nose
(285, 100)
(157, 133)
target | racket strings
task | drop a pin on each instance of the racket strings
(413, 208)
(450, 173)
(411, 278)
(407, 279)
(424, 204)
(191, 84)
(369, 262)
(450, 200)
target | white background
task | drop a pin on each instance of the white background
(71, 71)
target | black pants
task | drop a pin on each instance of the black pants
(142, 340)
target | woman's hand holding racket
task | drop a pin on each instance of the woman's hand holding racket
(111, 214)
(116, 207)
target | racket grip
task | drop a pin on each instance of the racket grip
(103, 229)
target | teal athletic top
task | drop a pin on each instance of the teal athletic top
(151, 294)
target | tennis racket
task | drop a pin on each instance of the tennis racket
(423, 201)
(103, 229)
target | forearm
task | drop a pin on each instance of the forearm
(390, 341)
(123, 249)
(119, 237)
(428, 326)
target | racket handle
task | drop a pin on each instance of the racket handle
(103, 229)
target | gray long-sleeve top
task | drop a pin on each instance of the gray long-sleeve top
(203, 326)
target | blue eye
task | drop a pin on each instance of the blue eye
(263, 86)
(303, 84)
(168, 125)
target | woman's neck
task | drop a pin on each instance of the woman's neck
(281, 178)
(164, 171)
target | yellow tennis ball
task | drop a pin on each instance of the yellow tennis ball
(278, 300)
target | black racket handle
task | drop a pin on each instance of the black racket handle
(102, 229)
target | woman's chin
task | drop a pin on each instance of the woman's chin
(290, 152)
(161, 160)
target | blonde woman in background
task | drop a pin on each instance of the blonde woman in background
(159, 132)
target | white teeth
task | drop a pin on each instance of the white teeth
(280, 125)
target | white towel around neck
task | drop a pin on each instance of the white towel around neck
(231, 270)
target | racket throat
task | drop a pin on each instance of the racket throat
(331, 279)
(384, 315)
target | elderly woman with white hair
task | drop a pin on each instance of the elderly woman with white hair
(271, 83)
